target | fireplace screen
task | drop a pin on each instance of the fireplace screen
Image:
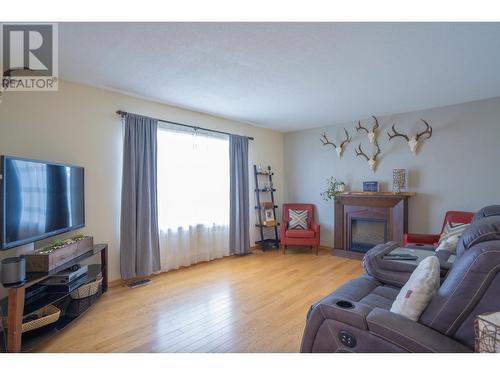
(366, 233)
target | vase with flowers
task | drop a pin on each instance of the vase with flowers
(334, 187)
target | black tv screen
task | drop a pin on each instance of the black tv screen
(38, 200)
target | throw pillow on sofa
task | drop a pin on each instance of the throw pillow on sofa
(418, 291)
(298, 219)
(452, 229)
(449, 244)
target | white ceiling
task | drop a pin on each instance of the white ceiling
(288, 76)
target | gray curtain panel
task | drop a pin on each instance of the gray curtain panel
(139, 237)
(239, 217)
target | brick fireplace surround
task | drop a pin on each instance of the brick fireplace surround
(353, 208)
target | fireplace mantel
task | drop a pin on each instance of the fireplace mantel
(390, 208)
(405, 194)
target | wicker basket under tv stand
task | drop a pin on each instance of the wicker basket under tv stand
(15, 306)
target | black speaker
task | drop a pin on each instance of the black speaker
(13, 271)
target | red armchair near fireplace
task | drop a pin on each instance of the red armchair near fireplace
(433, 239)
(303, 237)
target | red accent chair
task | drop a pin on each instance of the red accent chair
(433, 239)
(304, 237)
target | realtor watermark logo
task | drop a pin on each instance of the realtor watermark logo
(29, 57)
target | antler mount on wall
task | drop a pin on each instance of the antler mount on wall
(372, 134)
(372, 161)
(413, 142)
(340, 148)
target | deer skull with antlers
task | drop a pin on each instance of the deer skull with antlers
(372, 161)
(412, 141)
(339, 148)
(371, 133)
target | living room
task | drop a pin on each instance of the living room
(249, 187)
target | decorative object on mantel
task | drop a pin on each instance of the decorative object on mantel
(487, 327)
(372, 161)
(413, 142)
(334, 187)
(399, 180)
(371, 186)
(340, 148)
(372, 134)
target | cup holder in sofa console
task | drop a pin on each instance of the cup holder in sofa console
(345, 304)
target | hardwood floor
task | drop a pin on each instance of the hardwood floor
(255, 303)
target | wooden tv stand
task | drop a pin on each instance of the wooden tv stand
(16, 307)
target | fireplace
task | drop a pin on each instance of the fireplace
(363, 220)
(365, 233)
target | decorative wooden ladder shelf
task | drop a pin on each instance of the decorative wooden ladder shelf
(262, 207)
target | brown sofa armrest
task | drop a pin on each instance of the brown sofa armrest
(410, 335)
(327, 309)
(387, 271)
(354, 316)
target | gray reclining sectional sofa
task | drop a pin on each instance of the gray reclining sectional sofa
(356, 316)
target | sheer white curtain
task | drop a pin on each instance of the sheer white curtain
(193, 197)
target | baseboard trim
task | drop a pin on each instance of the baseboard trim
(114, 283)
(325, 249)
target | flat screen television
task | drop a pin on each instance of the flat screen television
(38, 200)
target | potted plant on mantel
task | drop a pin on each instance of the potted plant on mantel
(334, 187)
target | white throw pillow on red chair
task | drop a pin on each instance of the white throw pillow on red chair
(298, 219)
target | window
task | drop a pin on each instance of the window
(193, 179)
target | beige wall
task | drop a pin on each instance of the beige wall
(78, 125)
(457, 169)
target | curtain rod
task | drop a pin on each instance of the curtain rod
(123, 114)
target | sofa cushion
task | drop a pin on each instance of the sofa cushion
(298, 219)
(376, 300)
(416, 294)
(300, 233)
